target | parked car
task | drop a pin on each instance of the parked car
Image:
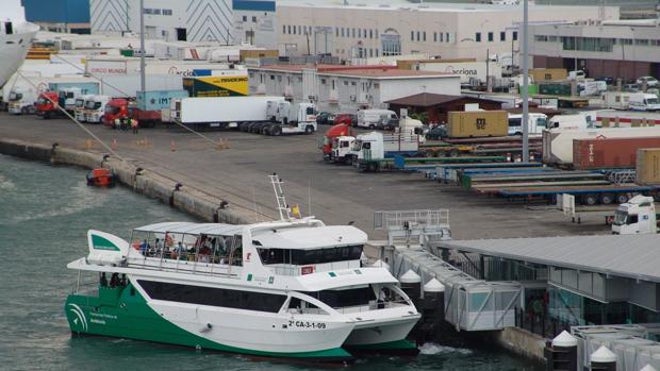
(650, 81)
(633, 88)
(437, 132)
(347, 118)
(388, 123)
(325, 118)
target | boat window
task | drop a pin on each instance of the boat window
(213, 296)
(304, 257)
(345, 298)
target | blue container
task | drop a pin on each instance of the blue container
(85, 87)
(156, 100)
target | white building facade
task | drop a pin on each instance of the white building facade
(348, 88)
(623, 49)
(357, 32)
(220, 21)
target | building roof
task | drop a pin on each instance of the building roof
(630, 256)
(369, 71)
(430, 100)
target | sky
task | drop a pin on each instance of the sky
(12, 9)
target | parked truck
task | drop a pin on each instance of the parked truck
(62, 95)
(536, 123)
(331, 135)
(146, 109)
(21, 101)
(95, 108)
(637, 216)
(270, 115)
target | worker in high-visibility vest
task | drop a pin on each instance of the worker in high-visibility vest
(134, 125)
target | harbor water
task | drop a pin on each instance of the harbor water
(45, 212)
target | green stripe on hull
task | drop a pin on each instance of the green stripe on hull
(122, 312)
(399, 346)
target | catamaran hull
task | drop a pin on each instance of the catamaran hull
(123, 313)
(388, 336)
(14, 48)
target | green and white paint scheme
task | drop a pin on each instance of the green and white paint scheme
(303, 324)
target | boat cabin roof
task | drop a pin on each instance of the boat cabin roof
(215, 229)
(279, 236)
(310, 238)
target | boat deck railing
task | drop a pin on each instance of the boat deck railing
(195, 265)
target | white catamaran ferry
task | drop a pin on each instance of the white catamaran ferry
(289, 288)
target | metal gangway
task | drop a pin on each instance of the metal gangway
(470, 304)
(413, 226)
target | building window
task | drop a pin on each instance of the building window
(490, 37)
(244, 18)
(435, 36)
(371, 34)
(417, 35)
(477, 37)
(441, 34)
(283, 29)
(502, 36)
(515, 35)
(322, 81)
(424, 36)
(167, 11)
(412, 35)
(254, 19)
(289, 29)
(272, 77)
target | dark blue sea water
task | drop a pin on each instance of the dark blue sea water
(45, 212)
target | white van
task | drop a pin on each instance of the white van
(536, 122)
(370, 118)
(643, 102)
(570, 122)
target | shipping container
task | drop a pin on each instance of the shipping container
(648, 166)
(548, 74)
(467, 124)
(555, 88)
(156, 100)
(558, 144)
(602, 153)
(217, 86)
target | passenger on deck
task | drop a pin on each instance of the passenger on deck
(114, 280)
(179, 251)
(144, 247)
(159, 245)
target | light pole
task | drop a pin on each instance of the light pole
(525, 92)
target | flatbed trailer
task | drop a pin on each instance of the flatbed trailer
(403, 163)
(494, 180)
(584, 194)
(451, 172)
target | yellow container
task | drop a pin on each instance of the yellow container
(548, 74)
(475, 124)
(648, 166)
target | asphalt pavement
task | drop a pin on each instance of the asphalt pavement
(234, 166)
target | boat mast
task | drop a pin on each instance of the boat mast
(282, 207)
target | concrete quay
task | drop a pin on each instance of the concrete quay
(230, 166)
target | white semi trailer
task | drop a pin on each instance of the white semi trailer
(270, 115)
(637, 216)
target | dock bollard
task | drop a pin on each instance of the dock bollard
(603, 359)
(410, 284)
(561, 353)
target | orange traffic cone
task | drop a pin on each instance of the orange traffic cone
(172, 146)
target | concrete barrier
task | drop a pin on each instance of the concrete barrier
(140, 180)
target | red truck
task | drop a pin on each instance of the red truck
(48, 104)
(121, 108)
(337, 130)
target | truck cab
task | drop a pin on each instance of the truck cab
(79, 107)
(334, 131)
(116, 108)
(341, 148)
(637, 216)
(68, 98)
(21, 101)
(95, 108)
(48, 104)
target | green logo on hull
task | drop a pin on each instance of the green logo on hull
(101, 243)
